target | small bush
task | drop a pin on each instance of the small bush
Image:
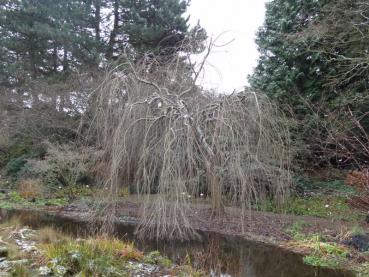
(13, 151)
(14, 166)
(62, 166)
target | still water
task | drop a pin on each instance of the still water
(219, 255)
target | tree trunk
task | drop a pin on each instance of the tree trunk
(97, 19)
(114, 32)
(215, 189)
(210, 163)
(65, 59)
(55, 59)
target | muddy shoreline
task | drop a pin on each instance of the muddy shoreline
(257, 226)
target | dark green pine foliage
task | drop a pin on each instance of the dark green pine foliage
(314, 62)
(286, 70)
(48, 37)
(42, 37)
(293, 75)
(154, 24)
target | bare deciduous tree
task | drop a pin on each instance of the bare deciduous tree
(173, 142)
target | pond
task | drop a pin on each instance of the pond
(219, 255)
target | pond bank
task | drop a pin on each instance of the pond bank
(227, 254)
(46, 251)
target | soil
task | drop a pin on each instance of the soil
(253, 225)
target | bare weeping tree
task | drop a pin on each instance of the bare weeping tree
(171, 142)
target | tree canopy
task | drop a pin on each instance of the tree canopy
(41, 38)
(314, 63)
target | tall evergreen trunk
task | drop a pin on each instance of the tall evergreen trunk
(114, 32)
(97, 20)
(65, 59)
(55, 58)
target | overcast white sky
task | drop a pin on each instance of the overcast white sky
(240, 19)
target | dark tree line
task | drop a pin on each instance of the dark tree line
(54, 53)
(48, 37)
(314, 62)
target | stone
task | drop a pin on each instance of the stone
(359, 242)
(45, 271)
(8, 265)
(4, 251)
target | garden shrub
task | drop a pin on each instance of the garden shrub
(62, 166)
(14, 166)
(16, 157)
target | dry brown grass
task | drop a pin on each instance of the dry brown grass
(48, 235)
(30, 189)
(359, 179)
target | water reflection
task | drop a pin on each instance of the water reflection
(218, 255)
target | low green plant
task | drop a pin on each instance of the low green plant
(20, 271)
(15, 197)
(101, 256)
(15, 200)
(323, 254)
(357, 230)
(155, 257)
(73, 191)
(314, 260)
(296, 229)
(50, 202)
(336, 187)
(326, 254)
(85, 257)
(322, 206)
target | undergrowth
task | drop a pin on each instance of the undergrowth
(320, 252)
(14, 200)
(103, 256)
(325, 199)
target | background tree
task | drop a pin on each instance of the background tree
(313, 63)
(41, 38)
(48, 47)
